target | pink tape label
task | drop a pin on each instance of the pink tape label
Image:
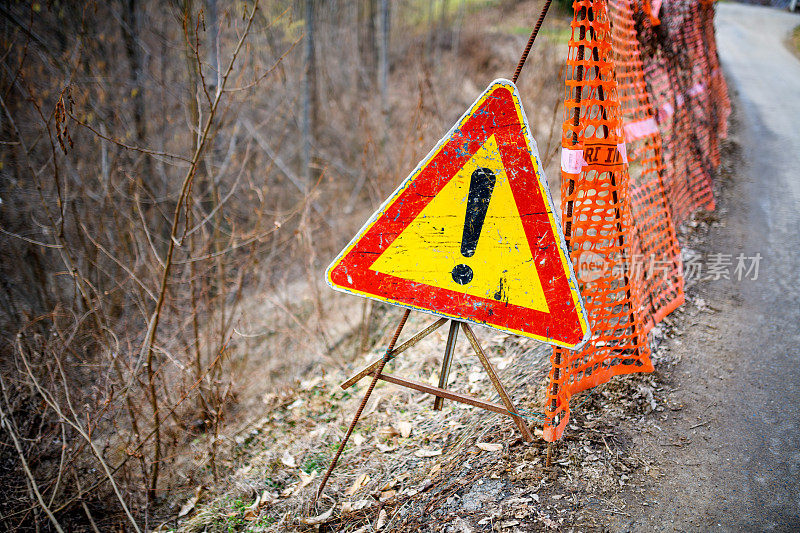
(697, 88)
(655, 6)
(640, 128)
(601, 157)
(623, 151)
(572, 161)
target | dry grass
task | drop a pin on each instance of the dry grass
(437, 474)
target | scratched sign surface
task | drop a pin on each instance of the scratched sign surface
(472, 233)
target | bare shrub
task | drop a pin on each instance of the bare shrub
(174, 178)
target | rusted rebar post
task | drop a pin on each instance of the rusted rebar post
(576, 121)
(363, 402)
(532, 38)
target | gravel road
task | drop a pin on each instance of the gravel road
(729, 456)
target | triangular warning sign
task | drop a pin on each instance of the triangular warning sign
(472, 234)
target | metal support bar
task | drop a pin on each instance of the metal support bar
(438, 402)
(443, 393)
(370, 369)
(523, 428)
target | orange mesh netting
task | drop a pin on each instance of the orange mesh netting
(656, 264)
(598, 221)
(677, 75)
(696, 75)
(721, 104)
(649, 74)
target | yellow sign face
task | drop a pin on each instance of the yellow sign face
(472, 233)
(430, 248)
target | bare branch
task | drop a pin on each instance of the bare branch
(31, 241)
(147, 347)
(125, 145)
(5, 422)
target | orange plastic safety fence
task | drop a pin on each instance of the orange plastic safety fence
(678, 71)
(598, 220)
(719, 89)
(656, 264)
(652, 73)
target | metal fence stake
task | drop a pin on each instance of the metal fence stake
(363, 403)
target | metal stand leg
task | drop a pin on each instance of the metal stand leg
(501, 391)
(438, 402)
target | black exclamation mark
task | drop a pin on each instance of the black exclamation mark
(481, 185)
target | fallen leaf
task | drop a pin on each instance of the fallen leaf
(434, 470)
(549, 523)
(305, 479)
(358, 484)
(358, 439)
(374, 405)
(427, 453)
(251, 512)
(188, 507)
(509, 523)
(268, 497)
(388, 431)
(461, 526)
(490, 446)
(387, 495)
(319, 519)
(310, 383)
(381, 519)
(405, 429)
(297, 403)
(288, 460)
(360, 504)
(386, 448)
(347, 507)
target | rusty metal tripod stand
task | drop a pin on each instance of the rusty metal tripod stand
(441, 393)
